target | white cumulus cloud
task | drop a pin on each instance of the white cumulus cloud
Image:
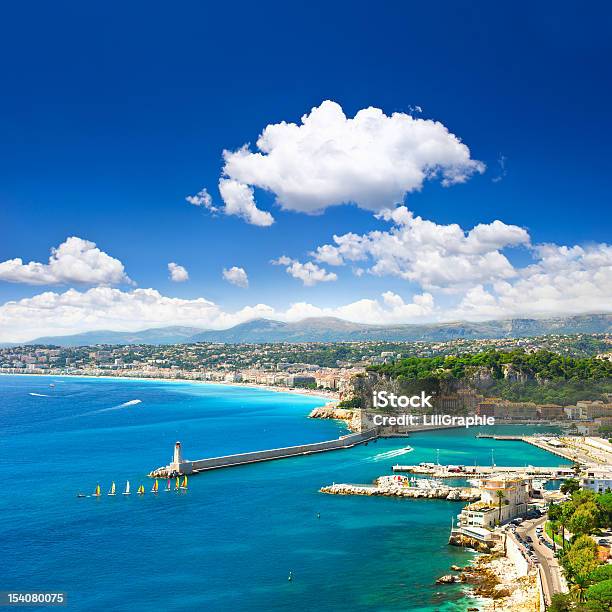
(236, 276)
(240, 200)
(309, 273)
(372, 160)
(53, 314)
(433, 255)
(74, 261)
(202, 199)
(178, 274)
(564, 280)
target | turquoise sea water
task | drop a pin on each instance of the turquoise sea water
(230, 542)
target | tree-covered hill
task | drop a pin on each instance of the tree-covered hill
(541, 376)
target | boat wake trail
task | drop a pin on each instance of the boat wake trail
(392, 453)
(130, 403)
(119, 407)
(124, 405)
(38, 395)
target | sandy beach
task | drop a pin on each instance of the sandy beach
(328, 395)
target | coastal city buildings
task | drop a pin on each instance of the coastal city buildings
(502, 498)
(598, 479)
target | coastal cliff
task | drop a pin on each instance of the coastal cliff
(331, 411)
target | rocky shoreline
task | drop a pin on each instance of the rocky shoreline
(389, 490)
(331, 411)
(494, 580)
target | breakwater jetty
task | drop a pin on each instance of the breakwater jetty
(180, 466)
(388, 487)
(551, 444)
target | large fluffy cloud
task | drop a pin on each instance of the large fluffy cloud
(435, 256)
(372, 160)
(73, 311)
(564, 280)
(74, 261)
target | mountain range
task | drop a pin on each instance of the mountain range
(329, 329)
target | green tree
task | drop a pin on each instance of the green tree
(567, 511)
(601, 573)
(500, 498)
(571, 485)
(579, 562)
(582, 521)
(600, 594)
(560, 602)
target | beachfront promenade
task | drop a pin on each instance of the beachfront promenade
(180, 466)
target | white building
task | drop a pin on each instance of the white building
(513, 493)
(598, 479)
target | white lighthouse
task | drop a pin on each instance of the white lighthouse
(177, 458)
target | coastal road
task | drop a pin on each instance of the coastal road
(551, 570)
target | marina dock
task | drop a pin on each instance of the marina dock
(180, 466)
(472, 471)
(550, 444)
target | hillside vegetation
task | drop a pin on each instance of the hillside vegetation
(541, 376)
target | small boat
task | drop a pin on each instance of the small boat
(168, 485)
(52, 385)
(184, 485)
(290, 578)
(177, 484)
(141, 490)
(112, 489)
(81, 494)
(97, 493)
(127, 488)
(155, 487)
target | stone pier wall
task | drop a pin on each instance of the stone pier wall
(189, 467)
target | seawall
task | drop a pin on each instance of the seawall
(212, 463)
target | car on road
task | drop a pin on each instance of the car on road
(529, 539)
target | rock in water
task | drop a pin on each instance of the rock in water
(447, 579)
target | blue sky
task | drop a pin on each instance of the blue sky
(111, 114)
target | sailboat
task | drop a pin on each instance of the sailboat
(155, 487)
(184, 485)
(97, 491)
(127, 488)
(112, 489)
(168, 485)
(141, 490)
(177, 484)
